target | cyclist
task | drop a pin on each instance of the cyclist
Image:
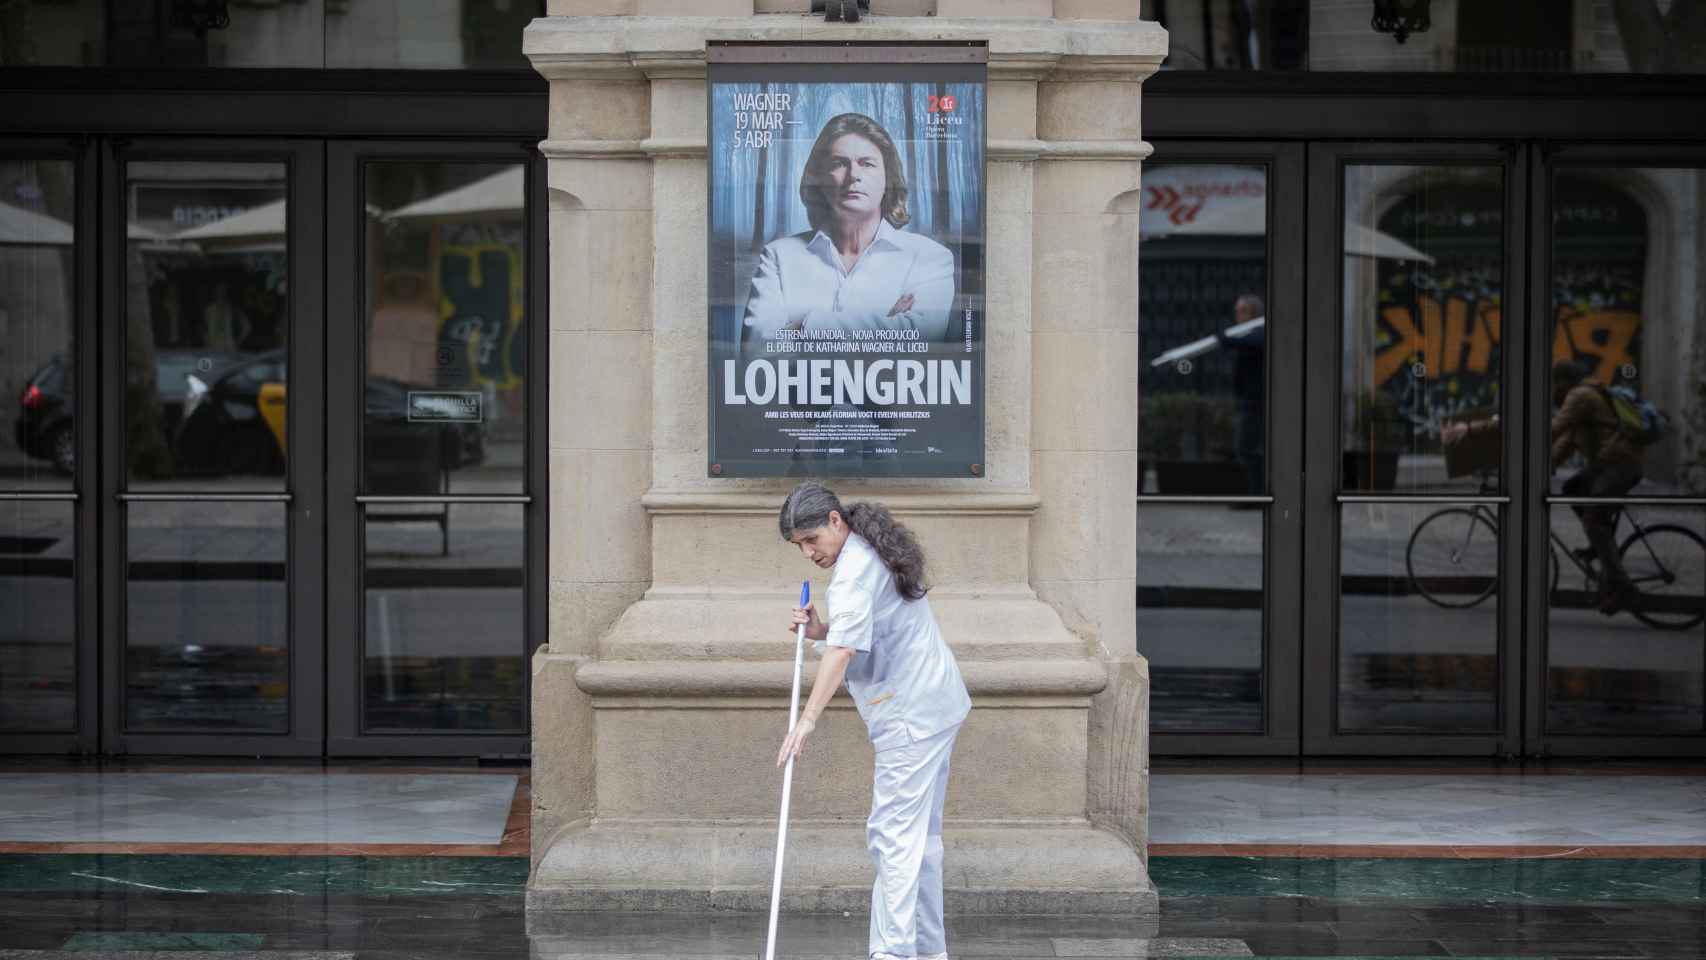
(1586, 423)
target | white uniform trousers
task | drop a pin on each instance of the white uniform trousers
(904, 833)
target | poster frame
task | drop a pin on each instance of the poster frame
(726, 59)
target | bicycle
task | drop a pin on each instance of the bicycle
(1450, 545)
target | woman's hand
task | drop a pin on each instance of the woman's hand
(795, 743)
(902, 305)
(815, 629)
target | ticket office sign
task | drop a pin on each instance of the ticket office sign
(846, 230)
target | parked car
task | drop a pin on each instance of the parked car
(47, 408)
(45, 429)
(234, 422)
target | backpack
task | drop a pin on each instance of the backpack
(1638, 420)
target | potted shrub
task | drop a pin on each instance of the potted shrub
(1188, 439)
(1378, 436)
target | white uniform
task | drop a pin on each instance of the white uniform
(908, 689)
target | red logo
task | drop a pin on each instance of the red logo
(942, 104)
(1178, 209)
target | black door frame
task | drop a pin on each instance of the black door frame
(1282, 505)
(1536, 500)
(304, 495)
(86, 114)
(84, 737)
(1324, 498)
(346, 313)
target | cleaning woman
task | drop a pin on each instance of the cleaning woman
(882, 638)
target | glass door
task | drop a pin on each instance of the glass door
(1412, 629)
(1619, 620)
(436, 440)
(48, 702)
(1220, 458)
(210, 452)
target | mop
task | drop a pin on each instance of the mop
(787, 776)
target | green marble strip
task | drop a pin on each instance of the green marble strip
(139, 940)
(1502, 881)
(1499, 881)
(311, 876)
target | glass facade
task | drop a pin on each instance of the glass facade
(1418, 619)
(1202, 293)
(207, 360)
(207, 644)
(1423, 297)
(38, 379)
(446, 347)
(1459, 36)
(315, 34)
(445, 415)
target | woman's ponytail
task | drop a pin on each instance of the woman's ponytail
(895, 544)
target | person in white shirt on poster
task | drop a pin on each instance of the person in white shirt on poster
(883, 640)
(855, 269)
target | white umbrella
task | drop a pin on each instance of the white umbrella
(1216, 201)
(503, 192)
(26, 227)
(1361, 241)
(264, 221)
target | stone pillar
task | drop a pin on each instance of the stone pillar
(662, 695)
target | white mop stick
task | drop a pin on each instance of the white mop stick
(787, 776)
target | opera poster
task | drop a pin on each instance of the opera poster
(845, 272)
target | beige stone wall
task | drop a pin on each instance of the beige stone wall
(668, 661)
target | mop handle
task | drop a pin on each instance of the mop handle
(787, 776)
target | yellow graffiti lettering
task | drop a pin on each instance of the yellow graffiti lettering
(1456, 335)
(1432, 335)
(1410, 342)
(1604, 335)
(1442, 339)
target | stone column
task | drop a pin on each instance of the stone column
(662, 695)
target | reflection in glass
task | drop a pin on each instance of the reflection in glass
(37, 318)
(1424, 261)
(1418, 618)
(1507, 36)
(444, 644)
(1642, 669)
(206, 317)
(38, 632)
(1202, 417)
(445, 275)
(1199, 616)
(206, 625)
(1629, 358)
(441, 34)
(406, 34)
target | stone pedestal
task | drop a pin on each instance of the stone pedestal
(662, 696)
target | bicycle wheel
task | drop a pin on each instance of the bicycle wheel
(1453, 557)
(1667, 565)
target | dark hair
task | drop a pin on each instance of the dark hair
(808, 507)
(813, 180)
(1568, 373)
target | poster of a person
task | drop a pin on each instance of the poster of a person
(856, 268)
(845, 271)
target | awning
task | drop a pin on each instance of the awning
(264, 221)
(1230, 201)
(28, 228)
(500, 193)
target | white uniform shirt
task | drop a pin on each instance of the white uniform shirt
(903, 678)
(801, 277)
